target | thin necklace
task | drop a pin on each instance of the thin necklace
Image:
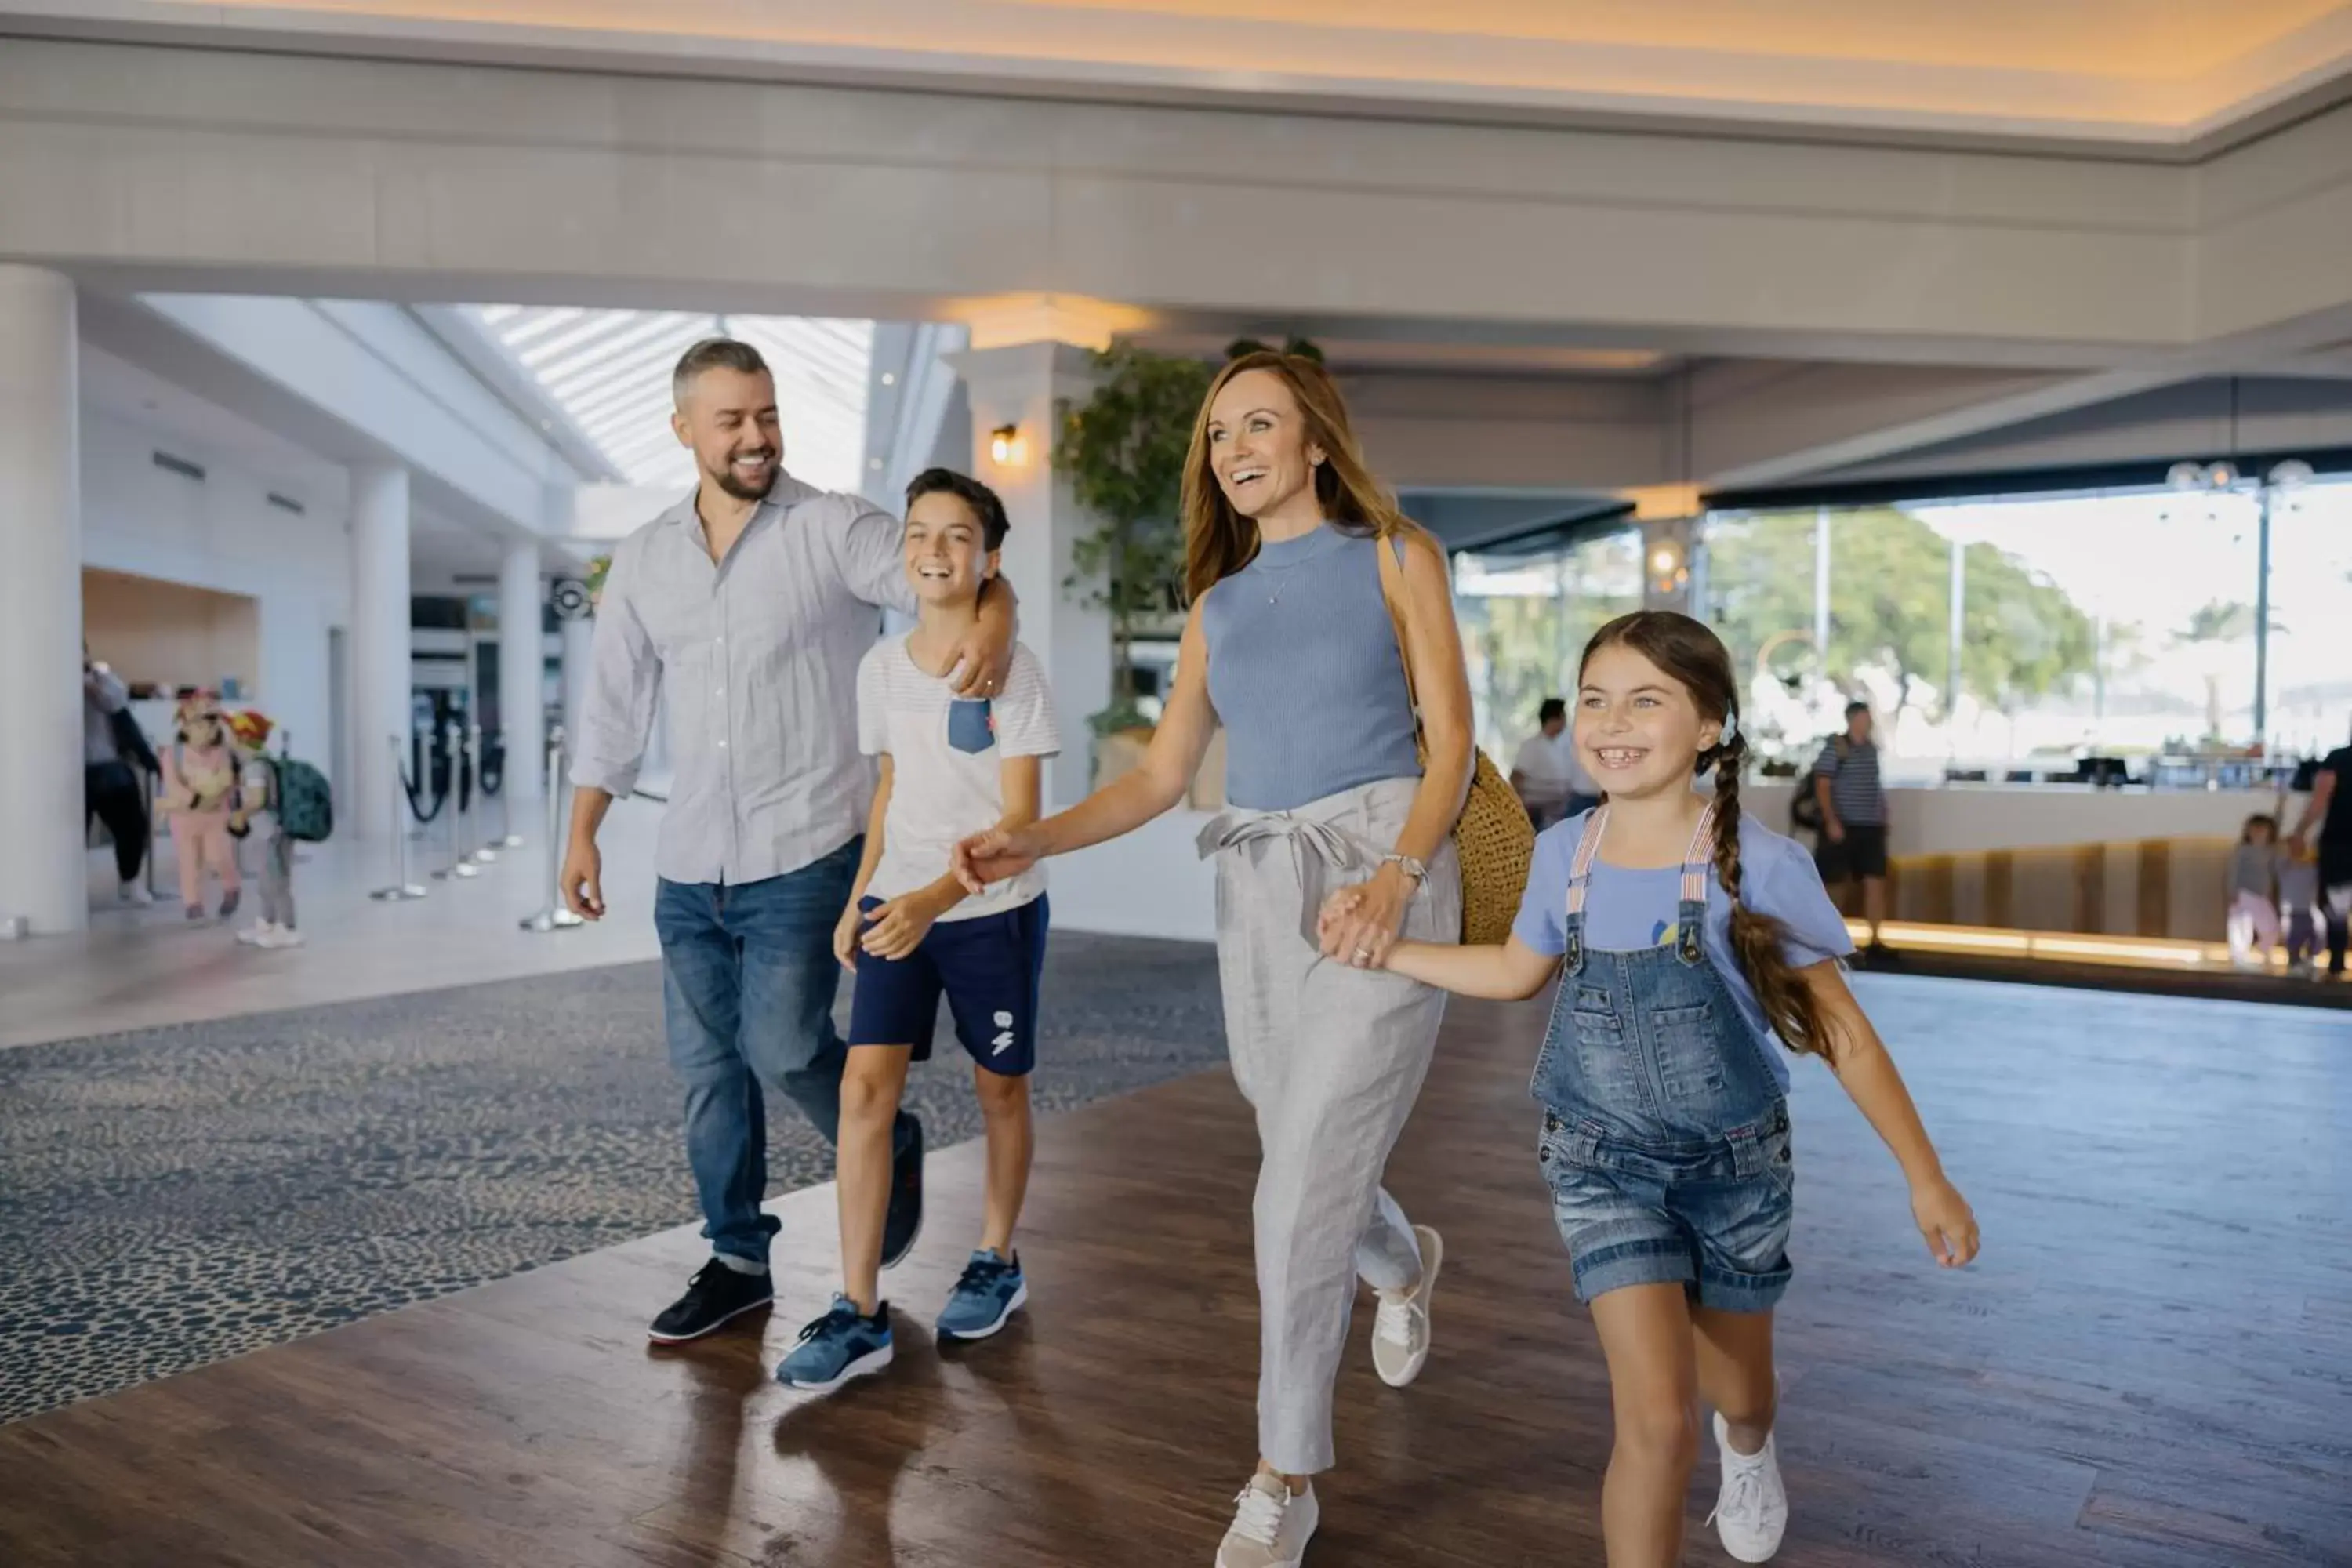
(1280, 574)
(1282, 581)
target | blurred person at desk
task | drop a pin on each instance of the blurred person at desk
(111, 790)
(1551, 782)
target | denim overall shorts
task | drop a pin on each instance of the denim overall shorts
(1665, 1138)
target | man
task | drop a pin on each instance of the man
(1854, 817)
(1547, 774)
(110, 791)
(748, 607)
(2330, 808)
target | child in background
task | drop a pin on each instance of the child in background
(200, 778)
(950, 767)
(258, 808)
(2253, 919)
(2298, 902)
(1686, 935)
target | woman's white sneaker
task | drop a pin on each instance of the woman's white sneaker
(1400, 1330)
(1271, 1526)
(1752, 1511)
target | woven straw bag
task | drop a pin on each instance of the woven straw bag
(1493, 836)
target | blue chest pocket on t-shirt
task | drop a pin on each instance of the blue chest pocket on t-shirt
(970, 728)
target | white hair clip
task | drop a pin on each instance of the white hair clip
(1730, 730)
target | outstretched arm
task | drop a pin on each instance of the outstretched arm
(1867, 1072)
(1126, 802)
(1511, 973)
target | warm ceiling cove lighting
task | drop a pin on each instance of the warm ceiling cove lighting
(1006, 447)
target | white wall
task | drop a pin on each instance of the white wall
(222, 534)
(1152, 882)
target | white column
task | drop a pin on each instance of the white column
(523, 701)
(43, 875)
(380, 678)
(1019, 386)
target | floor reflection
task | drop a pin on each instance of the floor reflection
(861, 1439)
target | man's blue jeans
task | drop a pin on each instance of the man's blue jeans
(748, 978)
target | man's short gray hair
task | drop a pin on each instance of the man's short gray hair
(714, 353)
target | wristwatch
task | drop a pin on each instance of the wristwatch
(1408, 866)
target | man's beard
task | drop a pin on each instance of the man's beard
(724, 478)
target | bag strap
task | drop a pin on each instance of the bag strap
(1391, 551)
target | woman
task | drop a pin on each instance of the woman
(1337, 842)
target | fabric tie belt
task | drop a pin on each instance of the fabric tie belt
(1318, 850)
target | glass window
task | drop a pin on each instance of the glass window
(1525, 621)
(2311, 619)
(2005, 633)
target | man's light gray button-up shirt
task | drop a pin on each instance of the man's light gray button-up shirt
(756, 657)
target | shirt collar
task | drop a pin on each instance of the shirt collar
(784, 494)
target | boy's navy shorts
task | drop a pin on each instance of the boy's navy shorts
(989, 969)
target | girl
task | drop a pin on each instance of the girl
(1290, 643)
(200, 780)
(2253, 926)
(1685, 937)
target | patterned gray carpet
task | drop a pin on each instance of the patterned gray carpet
(175, 1197)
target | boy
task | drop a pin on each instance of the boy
(258, 808)
(950, 767)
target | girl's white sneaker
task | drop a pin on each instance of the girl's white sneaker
(1752, 1511)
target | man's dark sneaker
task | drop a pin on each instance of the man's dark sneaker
(904, 1222)
(715, 1296)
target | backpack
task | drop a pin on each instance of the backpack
(1805, 801)
(306, 803)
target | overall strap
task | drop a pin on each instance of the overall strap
(1699, 857)
(1579, 874)
(1588, 849)
(1692, 918)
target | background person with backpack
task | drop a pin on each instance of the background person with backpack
(1852, 804)
(289, 802)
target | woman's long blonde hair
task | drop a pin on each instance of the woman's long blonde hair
(1219, 540)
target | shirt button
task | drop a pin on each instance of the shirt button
(722, 745)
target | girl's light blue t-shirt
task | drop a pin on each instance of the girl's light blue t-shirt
(1626, 911)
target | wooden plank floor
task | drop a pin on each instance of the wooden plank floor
(2152, 1365)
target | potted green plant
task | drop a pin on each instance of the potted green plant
(1123, 452)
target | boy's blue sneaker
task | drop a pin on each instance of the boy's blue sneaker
(842, 1345)
(991, 1290)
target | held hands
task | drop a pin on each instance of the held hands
(1944, 1219)
(899, 927)
(1357, 925)
(996, 855)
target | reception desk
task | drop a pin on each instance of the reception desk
(2059, 857)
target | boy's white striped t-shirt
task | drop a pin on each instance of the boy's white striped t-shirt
(946, 757)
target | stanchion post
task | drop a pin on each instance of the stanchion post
(507, 837)
(453, 746)
(401, 887)
(555, 916)
(486, 850)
